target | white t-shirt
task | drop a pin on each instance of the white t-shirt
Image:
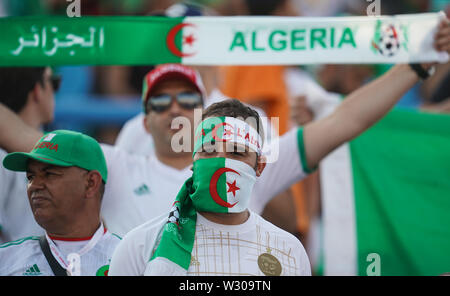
(16, 218)
(25, 256)
(254, 248)
(140, 188)
(134, 138)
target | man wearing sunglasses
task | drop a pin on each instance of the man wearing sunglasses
(29, 92)
(171, 91)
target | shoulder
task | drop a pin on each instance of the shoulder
(142, 239)
(291, 242)
(112, 239)
(116, 155)
(3, 153)
(14, 252)
(136, 248)
(135, 122)
(20, 243)
(281, 233)
(147, 231)
(134, 138)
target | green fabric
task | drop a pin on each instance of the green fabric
(177, 239)
(401, 170)
(178, 236)
(201, 198)
(62, 148)
(302, 152)
(126, 40)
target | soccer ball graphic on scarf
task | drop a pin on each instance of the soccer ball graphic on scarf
(388, 43)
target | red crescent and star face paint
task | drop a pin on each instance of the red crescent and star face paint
(222, 185)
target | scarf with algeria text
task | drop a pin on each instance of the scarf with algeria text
(236, 40)
(220, 185)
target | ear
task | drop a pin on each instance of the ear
(36, 93)
(93, 183)
(260, 165)
(146, 124)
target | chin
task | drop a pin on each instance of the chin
(42, 217)
(48, 120)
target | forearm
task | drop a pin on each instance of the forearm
(360, 110)
(365, 106)
(16, 135)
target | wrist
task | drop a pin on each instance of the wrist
(423, 71)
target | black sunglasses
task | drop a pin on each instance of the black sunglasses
(55, 80)
(162, 102)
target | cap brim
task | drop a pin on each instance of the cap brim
(172, 75)
(18, 161)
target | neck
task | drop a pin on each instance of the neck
(75, 233)
(30, 119)
(227, 218)
(175, 160)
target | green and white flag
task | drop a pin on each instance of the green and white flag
(386, 199)
(132, 40)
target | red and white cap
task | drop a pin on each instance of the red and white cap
(170, 71)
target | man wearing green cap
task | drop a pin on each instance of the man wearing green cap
(66, 173)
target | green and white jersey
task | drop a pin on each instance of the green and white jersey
(24, 257)
(141, 188)
(16, 218)
(254, 248)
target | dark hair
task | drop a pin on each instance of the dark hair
(234, 108)
(263, 7)
(16, 83)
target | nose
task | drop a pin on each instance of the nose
(221, 149)
(175, 108)
(221, 154)
(36, 183)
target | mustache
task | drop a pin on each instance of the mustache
(39, 194)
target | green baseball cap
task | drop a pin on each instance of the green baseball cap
(62, 148)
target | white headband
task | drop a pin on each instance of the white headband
(228, 129)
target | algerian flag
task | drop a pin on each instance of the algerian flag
(386, 199)
(131, 40)
(222, 185)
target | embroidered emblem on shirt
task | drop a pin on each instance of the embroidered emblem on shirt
(103, 271)
(33, 270)
(141, 190)
(269, 264)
